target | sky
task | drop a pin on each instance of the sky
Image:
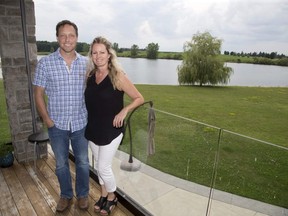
(242, 25)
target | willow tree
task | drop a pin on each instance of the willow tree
(201, 64)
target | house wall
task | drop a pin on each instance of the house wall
(17, 73)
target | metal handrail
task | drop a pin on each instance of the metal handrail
(129, 129)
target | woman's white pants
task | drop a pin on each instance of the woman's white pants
(103, 158)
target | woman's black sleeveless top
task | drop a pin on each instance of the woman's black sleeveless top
(102, 103)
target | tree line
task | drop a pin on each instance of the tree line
(272, 55)
(45, 46)
(151, 50)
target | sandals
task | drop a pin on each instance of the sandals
(109, 206)
(100, 204)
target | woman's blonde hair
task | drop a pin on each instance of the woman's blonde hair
(113, 65)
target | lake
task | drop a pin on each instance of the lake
(164, 72)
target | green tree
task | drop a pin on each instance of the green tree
(55, 45)
(43, 46)
(152, 50)
(86, 47)
(79, 47)
(115, 46)
(134, 50)
(200, 64)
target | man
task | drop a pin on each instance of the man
(61, 76)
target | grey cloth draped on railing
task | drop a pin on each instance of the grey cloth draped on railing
(151, 129)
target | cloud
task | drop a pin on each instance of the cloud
(243, 25)
(145, 30)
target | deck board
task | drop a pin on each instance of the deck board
(33, 191)
(7, 204)
(19, 196)
(44, 178)
(24, 192)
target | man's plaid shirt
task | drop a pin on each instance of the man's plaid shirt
(65, 90)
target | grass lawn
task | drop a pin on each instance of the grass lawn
(261, 113)
(4, 125)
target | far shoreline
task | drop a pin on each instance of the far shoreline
(224, 58)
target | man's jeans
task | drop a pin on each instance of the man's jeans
(60, 141)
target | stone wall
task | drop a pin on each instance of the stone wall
(17, 84)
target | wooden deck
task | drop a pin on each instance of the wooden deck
(22, 192)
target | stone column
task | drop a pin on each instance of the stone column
(14, 69)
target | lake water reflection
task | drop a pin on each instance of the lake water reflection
(164, 72)
(258, 75)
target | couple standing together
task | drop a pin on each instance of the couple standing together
(85, 107)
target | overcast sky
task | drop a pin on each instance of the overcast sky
(243, 25)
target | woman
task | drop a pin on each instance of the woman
(106, 85)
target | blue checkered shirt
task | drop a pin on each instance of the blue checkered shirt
(64, 89)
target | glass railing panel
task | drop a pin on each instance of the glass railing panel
(253, 169)
(184, 156)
